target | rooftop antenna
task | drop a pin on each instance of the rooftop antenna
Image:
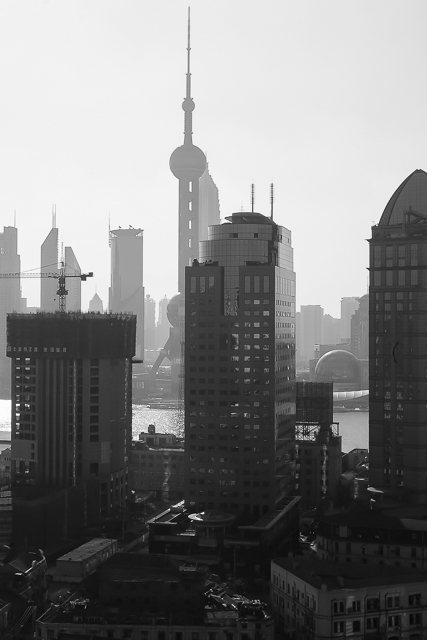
(271, 200)
(54, 216)
(252, 197)
(14, 218)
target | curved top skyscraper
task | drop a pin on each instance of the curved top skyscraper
(188, 163)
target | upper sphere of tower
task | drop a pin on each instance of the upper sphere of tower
(188, 104)
(187, 161)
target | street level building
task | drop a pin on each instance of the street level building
(240, 369)
(398, 347)
(71, 420)
(315, 600)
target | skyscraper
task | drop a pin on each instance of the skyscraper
(71, 420)
(240, 368)
(73, 300)
(398, 346)
(309, 332)
(348, 306)
(49, 264)
(10, 297)
(188, 163)
(149, 323)
(127, 290)
(208, 204)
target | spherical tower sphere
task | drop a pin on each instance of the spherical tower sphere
(338, 366)
(187, 161)
(176, 309)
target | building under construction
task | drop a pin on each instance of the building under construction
(71, 420)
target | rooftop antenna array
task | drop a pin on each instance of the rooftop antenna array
(54, 216)
(271, 200)
(252, 197)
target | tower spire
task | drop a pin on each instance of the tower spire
(188, 104)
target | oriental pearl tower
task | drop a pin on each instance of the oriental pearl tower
(188, 163)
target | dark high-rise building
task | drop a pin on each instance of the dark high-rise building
(71, 419)
(127, 289)
(398, 346)
(240, 368)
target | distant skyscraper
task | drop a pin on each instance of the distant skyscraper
(96, 305)
(163, 325)
(127, 290)
(188, 163)
(71, 420)
(331, 329)
(240, 368)
(49, 264)
(73, 301)
(149, 323)
(309, 332)
(10, 297)
(208, 204)
(360, 329)
(398, 346)
(348, 307)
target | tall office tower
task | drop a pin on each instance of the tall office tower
(208, 204)
(71, 420)
(10, 297)
(188, 163)
(309, 332)
(49, 264)
(127, 290)
(149, 323)
(360, 329)
(73, 301)
(397, 344)
(163, 325)
(96, 305)
(348, 307)
(240, 368)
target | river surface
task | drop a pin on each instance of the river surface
(353, 426)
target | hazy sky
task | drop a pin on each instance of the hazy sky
(325, 98)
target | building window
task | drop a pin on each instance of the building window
(339, 627)
(414, 599)
(393, 621)
(414, 619)
(193, 281)
(372, 623)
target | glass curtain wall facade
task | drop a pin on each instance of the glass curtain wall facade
(240, 368)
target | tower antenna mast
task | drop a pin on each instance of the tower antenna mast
(252, 197)
(271, 200)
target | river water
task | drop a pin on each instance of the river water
(353, 426)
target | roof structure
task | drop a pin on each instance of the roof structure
(412, 193)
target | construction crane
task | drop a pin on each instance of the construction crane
(60, 275)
